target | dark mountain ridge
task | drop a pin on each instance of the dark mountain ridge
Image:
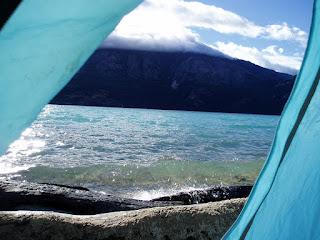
(177, 81)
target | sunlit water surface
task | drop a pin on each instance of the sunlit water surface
(140, 153)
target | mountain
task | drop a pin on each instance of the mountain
(176, 80)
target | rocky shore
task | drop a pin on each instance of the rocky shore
(23, 195)
(200, 221)
(53, 211)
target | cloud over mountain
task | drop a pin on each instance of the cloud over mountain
(271, 57)
(166, 26)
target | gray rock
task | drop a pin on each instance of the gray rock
(202, 221)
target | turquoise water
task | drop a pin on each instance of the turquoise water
(140, 153)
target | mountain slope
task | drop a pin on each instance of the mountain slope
(183, 81)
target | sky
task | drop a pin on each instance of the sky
(269, 33)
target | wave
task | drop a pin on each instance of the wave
(145, 181)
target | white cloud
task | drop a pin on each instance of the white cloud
(155, 25)
(166, 19)
(284, 32)
(271, 50)
(270, 57)
(164, 25)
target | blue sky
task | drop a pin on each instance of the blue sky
(266, 12)
(294, 13)
(269, 33)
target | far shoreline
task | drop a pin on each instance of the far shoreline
(160, 109)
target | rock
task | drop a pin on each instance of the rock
(15, 195)
(157, 219)
(209, 195)
(201, 221)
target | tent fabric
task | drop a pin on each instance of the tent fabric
(42, 45)
(285, 201)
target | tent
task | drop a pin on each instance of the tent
(285, 201)
(41, 52)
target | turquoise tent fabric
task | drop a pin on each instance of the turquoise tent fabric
(45, 42)
(285, 201)
(42, 46)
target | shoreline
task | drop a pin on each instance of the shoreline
(17, 195)
(200, 221)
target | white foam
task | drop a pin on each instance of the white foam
(8, 168)
(152, 194)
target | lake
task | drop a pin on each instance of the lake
(140, 153)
